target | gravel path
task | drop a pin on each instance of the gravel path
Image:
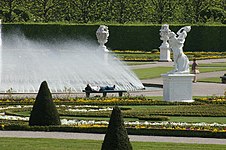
(199, 88)
(86, 136)
(170, 64)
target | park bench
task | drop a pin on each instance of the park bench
(120, 92)
(223, 78)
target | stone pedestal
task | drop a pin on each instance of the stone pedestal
(177, 87)
(164, 54)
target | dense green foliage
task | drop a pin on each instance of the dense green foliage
(116, 137)
(44, 111)
(119, 11)
(125, 37)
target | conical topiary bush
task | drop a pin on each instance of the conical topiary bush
(116, 137)
(44, 112)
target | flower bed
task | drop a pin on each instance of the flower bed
(185, 132)
(135, 107)
(212, 100)
(126, 100)
(129, 55)
(96, 101)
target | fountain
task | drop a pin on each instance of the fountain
(65, 65)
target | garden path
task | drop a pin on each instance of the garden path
(198, 89)
(170, 64)
(91, 136)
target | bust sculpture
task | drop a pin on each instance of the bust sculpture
(102, 34)
(164, 35)
(176, 43)
(164, 48)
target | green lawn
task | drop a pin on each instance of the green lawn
(177, 113)
(148, 73)
(213, 65)
(211, 80)
(211, 69)
(69, 144)
(155, 72)
(198, 119)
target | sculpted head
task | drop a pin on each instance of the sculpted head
(103, 29)
(187, 28)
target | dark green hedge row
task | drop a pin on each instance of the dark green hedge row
(131, 131)
(123, 37)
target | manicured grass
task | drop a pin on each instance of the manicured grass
(70, 144)
(148, 73)
(211, 69)
(24, 113)
(155, 72)
(211, 80)
(178, 113)
(98, 118)
(198, 119)
(213, 65)
(48, 144)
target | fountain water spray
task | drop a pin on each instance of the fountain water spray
(0, 50)
(65, 65)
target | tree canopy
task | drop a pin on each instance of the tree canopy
(114, 11)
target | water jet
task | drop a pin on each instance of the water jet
(67, 65)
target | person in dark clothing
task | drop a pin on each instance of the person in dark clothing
(194, 69)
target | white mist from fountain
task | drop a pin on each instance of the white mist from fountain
(0, 49)
(64, 65)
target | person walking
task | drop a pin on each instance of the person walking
(194, 69)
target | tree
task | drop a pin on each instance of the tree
(13, 10)
(45, 10)
(198, 7)
(116, 137)
(44, 112)
(163, 10)
(84, 9)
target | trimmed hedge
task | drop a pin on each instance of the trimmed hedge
(124, 37)
(116, 137)
(44, 112)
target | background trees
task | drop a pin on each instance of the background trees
(114, 11)
(13, 10)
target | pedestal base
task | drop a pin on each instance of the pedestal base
(177, 87)
(164, 54)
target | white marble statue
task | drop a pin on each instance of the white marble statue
(102, 34)
(164, 35)
(164, 48)
(176, 42)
